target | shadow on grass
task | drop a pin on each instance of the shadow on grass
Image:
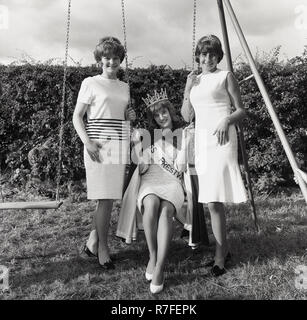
(184, 265)
(260, 248)
(40, 270)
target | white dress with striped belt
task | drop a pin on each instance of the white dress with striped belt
(107, 101)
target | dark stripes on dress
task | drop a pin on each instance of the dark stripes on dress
(108, 129)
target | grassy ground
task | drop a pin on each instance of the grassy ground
(42, 249)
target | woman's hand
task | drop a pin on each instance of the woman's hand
(130, 114)
(188, 133)
(92, 148)
(136, 136)
(143, 167)
(191, 126)
(191, 80)
(222, 131)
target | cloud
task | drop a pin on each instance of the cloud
(158, 31)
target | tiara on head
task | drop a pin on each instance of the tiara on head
(156, 97)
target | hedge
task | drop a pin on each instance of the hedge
(30, 111)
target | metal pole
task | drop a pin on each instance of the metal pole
(239, 125)
(267, 100)
(225, 35)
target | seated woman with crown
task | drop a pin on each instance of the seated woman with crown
(156, 186)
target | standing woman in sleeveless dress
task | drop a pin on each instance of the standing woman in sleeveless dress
(104, 99)
(209, 96)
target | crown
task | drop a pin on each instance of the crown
(156, 97)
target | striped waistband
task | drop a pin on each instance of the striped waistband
(108, 129)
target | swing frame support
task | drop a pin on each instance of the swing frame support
(239, 125)
(261, 86)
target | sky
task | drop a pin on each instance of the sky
(159, 32)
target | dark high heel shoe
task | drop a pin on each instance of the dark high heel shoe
(216, 271)
(89, 252)
(227, 260)
(109, 265)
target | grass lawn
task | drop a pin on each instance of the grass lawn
(43, 250)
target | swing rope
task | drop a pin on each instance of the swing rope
(194, 33)
(125, 45)
(61, 133)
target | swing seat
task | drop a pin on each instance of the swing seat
(31, 205)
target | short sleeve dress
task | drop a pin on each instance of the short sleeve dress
(107, 101)
(217, 166)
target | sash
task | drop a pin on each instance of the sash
(191, 216)
(162, 159)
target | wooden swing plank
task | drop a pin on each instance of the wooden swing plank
(31, 205)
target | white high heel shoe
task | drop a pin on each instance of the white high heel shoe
(148, 276)
(156, 289)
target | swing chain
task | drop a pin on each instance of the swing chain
(125, 43)
(61, 133)
(194, 32)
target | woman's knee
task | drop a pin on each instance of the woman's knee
(105, 202)
(104, 205)
(151, 203)
(167, 209)
(216, 207)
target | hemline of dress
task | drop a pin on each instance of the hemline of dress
(223, 201)
(104, 198)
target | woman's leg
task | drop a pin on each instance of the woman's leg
(164, 234)
(92, 241)
(218, 222)
(151, 205)
(102, 218)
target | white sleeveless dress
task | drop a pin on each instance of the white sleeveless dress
(107, 100)
(217, 166)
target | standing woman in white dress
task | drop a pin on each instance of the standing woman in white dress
(105, 135)
(209, 96)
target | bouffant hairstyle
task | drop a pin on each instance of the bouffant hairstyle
(164, 104)
(109, 45)
(152, 124)
(209, 43)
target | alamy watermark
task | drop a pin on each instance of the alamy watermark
(4, 278)
(301, 17)
(4, 17)
(113, 145)
(301, 277)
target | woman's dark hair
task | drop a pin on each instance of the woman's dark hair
(150, 112)
(109, 45)
(210, 43)
(152, 124)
